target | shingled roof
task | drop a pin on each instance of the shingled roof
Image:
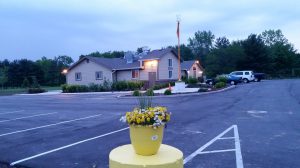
(121, 64)
(157, 54)
(186, 65)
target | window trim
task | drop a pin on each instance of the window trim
(101, 77)
(135, 72)
(78, 74)
(170, 60)
(170, 74)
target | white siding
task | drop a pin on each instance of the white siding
(149, 66)
(198, 70)
(163, 67)
(88, 71)
(124, 75)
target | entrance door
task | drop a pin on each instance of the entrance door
(152, 78)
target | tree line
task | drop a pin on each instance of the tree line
(26, 73)
(269, 52)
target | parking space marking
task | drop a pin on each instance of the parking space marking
(1, 121)
(18, 111)
(67, 146)
(237, 150)
(49, 125)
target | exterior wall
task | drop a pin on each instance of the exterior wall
(149, 66)
(163, 67)
(88, 71)
(124, 75)
(198, 70)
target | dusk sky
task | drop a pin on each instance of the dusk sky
(35, 28)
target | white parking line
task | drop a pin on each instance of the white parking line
(49, 125)
(1, 121)
(12, 112)
(238, 153)
(67, 146)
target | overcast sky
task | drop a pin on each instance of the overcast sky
(35, 28)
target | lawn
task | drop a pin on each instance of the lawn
(12, 91)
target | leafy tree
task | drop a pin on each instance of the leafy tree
(201, 44)
(3, 76)
(222, 42)
(256, 57)
(186, 53)
(271, 37)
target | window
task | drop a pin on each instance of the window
(170, 74)
(135, 74)
(247, 73)
(239, 73)
(78, 76)
(99, 75)
(170, 62)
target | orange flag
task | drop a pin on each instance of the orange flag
(177, 29)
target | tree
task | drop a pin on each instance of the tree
(222, 42)
(25, 83)
(3, 76)
(186, 53)
(201, 44)
(271, 37)
(256, 57)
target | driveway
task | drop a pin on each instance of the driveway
(254, 125)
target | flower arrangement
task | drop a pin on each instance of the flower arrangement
(146, 115)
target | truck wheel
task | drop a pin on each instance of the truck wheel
(245, 80)
(256, 80)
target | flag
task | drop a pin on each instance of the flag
(177, 29)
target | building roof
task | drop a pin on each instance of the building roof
(186, 65)
(121, 63)
(157, 54)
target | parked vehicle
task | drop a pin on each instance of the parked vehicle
(247, 76)
(258, 77)
(231, 79)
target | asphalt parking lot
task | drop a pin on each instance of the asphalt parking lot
(254, 125)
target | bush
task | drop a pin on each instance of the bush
(203, 90)
(74, 88)
(168, 92)
(192, 80)
(25, 83)
(35, 90)
(221, 79)
(136, 93)
(220, 85)
(150, 92)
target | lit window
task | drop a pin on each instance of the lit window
(135, 74)
(170, 74)
(78, 76)
(99, 75)
(170, 62)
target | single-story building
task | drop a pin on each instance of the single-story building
(192, 69)
(155, 66)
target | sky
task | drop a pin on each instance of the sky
(34, 28)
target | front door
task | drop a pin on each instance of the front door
(152, 78)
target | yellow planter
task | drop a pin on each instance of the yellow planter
(146, 140)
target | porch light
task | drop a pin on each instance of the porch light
(200, 72)
(197, 62)
(64, 71)
(188, 71)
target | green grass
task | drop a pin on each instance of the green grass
(12, 91)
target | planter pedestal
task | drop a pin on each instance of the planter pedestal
(125, 157)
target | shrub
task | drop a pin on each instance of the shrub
(25, 83)
(221, 79)
(35, 90)
(203, 90)
(168, 92)
(192, 81)
(107, 85)
(150, 92)
(220, 85)
(64, 88)
(74, 88)
(136, 93)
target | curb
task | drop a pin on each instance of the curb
(182, 94)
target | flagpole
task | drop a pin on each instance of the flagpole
(179, 62)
